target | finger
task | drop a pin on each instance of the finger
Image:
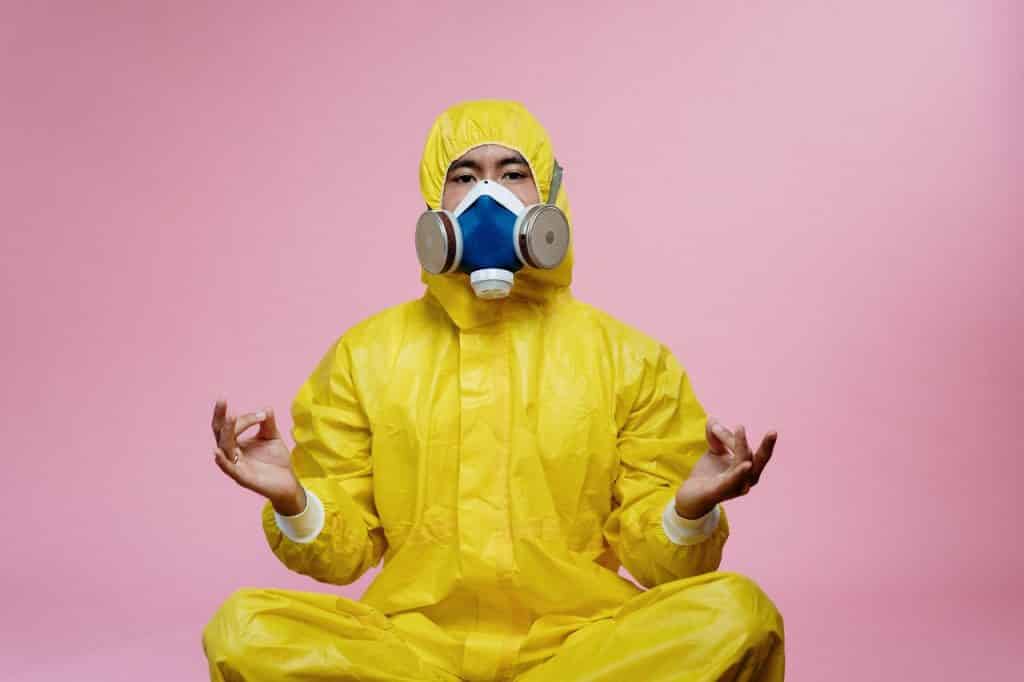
(268, 429)
(220, 408)
(246, 421)
(742, 449)
(719, 438)
(764, 453)
(734, 481)
(226, 465)
(227, 441)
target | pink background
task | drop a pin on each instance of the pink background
(199, 197)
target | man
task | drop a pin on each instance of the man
(502, 456)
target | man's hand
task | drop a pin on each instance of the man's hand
(725, 471)
(261, 463)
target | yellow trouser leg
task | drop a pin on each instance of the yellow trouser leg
(716, 626)
(276, 635)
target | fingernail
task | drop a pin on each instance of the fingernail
(261, 416)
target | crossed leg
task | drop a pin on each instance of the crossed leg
(270, 635)
(716, 626)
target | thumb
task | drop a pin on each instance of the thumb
(268, 427)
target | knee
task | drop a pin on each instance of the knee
(224, 639)
(743, 610)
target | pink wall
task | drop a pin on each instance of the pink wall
(198, 198)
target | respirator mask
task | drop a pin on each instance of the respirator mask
(491, 234)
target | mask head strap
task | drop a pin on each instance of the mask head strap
(556, 182)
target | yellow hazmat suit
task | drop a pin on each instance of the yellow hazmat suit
(502, 457)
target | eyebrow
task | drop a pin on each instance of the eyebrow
(516, 159)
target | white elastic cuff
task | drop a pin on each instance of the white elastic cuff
(683, 531)
(307, 524)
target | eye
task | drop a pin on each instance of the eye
(463, 179)
(515, 175)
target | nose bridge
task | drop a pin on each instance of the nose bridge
(492, 171)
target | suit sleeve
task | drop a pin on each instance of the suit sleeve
(332, 459)
(659, 441)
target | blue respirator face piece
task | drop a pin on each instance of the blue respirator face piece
(491, 234)
(488, 235)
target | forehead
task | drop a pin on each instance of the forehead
(489, 153)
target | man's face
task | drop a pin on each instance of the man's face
(489, 162)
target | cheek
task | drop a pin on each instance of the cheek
(527, 193)
(453, 194)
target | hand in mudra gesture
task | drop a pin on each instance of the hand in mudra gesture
(728, 469)
(261, 463)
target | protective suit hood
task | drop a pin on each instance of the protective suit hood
(457, 130)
